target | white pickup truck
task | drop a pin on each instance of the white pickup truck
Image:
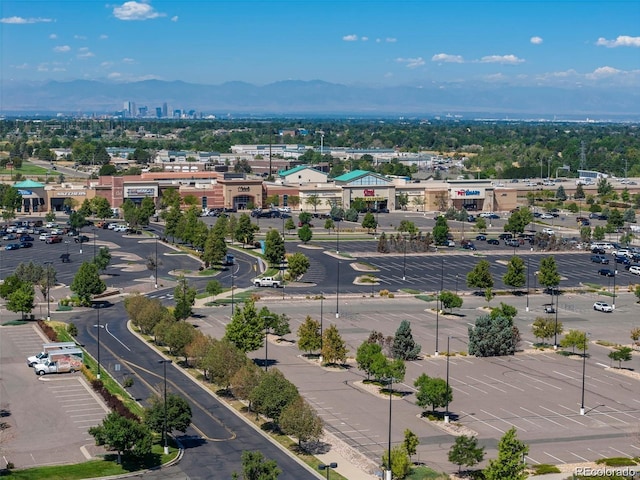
(266, 282)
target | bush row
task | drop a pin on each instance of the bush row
(48, 330)
(112, 401)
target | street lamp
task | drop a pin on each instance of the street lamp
(48, 267)
(266, 340)
(404, 260)
(94, 243)
(437, 320)
(321, 315)
(388, 472)
(584, 366)
(555, 328)
(156, 263)
(164, 430)
(338, 289)
(457, 284)
(337, 236)
(446, 412)
(327, 467)
(232, 299)
(615, 274)
(528, 264)
(98, 326)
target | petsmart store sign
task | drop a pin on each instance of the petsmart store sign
(467, 193)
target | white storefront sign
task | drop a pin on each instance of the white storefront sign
(467, 193)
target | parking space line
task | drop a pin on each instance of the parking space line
(623, 413)
(542, 416)
(487, 384)
(581, 458)
(502, 420)
(532, 379)
(505, 383)
(482, 421)
(624, 454)
(563, 416)
(472, 386)
(595, 412)
(520, 417)
(568, 417)
(555, 458)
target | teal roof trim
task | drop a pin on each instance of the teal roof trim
(28, 184)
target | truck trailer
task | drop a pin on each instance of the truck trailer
(61, 361)
(43, 356)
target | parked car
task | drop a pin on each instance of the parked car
(10, 236)
(600, 259)
(548, 231)
(549, 309)
(546, 216)
(54, 239)
(44, 236)
(505, 236)
(81, 239)
(622, 260)
(606, 272)
(482, 238)
(635, 269)
(26, 238)
(468, 245)
(512, 242)
(12, 246)
(598, 250)
(493, 241)
(602, 307)
(26, 244)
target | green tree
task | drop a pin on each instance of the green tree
(545, 328)
(329, 225)
(410, 443)
(509, 463)
(273, 394)
(366, 355)
(515, 275)
(87, 282)
(101, 208)
(256, 467)
(124, 435)
(304, 233)
(465, 451)
(518, 221)
(481, 224)
(579, 192)
(289, 225)
(604, 187)
(245, 231)
(274, 250)
(77, 220)
(102, 259)
(21, 299)
(441, 231)
(300, 420)
(491, 337)
(404, 346)
(575, 339)
(561, 194)
(450, 300)
(369, 222)
(298, 264)
(400, 461)
(334, 349)
(176, 336)
(246, 329)
(305, 218)
(214, 287)
(621, 354)
(432, 392)
(245, 381)
(548, 275)
(309, 339)
(629, 215)
(215, 245)
(408, 227)
(314, 200)
(598, 233)
(504, 310)
(222, 362)
(184, 297)
(480, 276)
(178, 414)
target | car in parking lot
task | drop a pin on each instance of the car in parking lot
(635, 269)
(12, 246)
(549, 309)
(512, 242)
(600, 259)
(26, 238)
(481, 237)
(546, 216)
(602, 307)
(605, 272)
(44, 236)
(623, 260)
(598, 250)
(26, 244)
(53, 239)
(548, 231)
(10, 236)
(493, 241)
(81, 239)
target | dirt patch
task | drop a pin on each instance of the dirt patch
(452, 428)
(362, 267)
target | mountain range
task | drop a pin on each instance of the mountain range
(308, 98)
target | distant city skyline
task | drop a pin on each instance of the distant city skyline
(376, 43)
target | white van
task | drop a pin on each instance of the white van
(46, 349)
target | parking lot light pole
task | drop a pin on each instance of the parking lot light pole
(266, 319)
(584, 366)
(528, 263)
(446, 411)
(388, 471)
(555, 328)
(437, 320)
(615, 274)
(99, 327)
(404, 258)
(156, 263)
(164, 429)
(47, 265)
(327, 467)
(321, 321)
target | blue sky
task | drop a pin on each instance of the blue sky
(419, 42)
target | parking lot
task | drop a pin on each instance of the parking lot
(43, 413)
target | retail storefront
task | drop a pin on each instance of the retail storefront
(33, 196)
(58, 197)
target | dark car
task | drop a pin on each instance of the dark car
(623, 260)
(512, 242)
(606, 272)
(493, 241)
(468, 245)
(598, 250)
(26, 244)
(482, 238)
(549, 309)
(600, 259)
(81, 239)
(12, 246)
(26, 238)
(505, 236)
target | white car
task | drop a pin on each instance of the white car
(603, 307)
(548, 231)
(634, 269)
(43, 236)
(546, 216)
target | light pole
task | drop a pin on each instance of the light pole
(456, 284)
(94, 243)
(404, 258)
(48, 267)
(584, 366)
(615, 274)
(338, 289)
(327, 467)
(156, 263)
(321, 315)
(555, 328)
(437, 320)
(446, 411)
(232, 299)
(99, 327)
(528, 264)
(164, 429)
(388, 472)
(266, 319)
(337, 236)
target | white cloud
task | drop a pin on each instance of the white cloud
(103, 37)
(85, 53)
(53, 36)
(128, 60)
(378, 40)
(174, 18)
(136, 11)
(24, 66)
(79, 37)
(24, 21)
(364, 39)
(620, 41)
(58, 69)
(62, 49)
(390, 40)
(114, 76)
(411, 62)
(536, 40)
(43, 67)
(505, 59)
(350, 38)
(447, 58)
(602, 72)
(106, 64)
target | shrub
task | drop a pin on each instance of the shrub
(384, 293)
(544, 468)
(391, 295)
(616, 462)
(48, 331)
(72, 329)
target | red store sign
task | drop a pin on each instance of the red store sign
(369, 192)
